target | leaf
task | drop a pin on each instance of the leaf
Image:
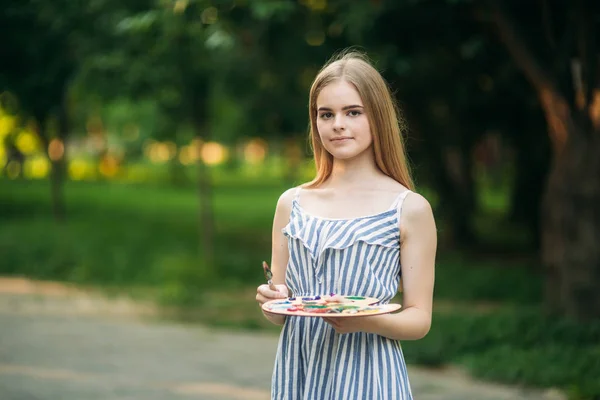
(137, 23)
(271, 9)
(220, 39)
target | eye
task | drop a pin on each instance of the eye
(354, 113)
(326, 115)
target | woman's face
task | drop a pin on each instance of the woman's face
(342, 123)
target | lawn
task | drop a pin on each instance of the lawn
(143, 240)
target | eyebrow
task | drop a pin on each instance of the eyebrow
(343, 108)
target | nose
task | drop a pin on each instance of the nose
(338, 123)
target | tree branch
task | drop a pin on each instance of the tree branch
(589, 60)
(556, 107)
(517, 48)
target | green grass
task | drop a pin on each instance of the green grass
(516, 345)
(119, 234)
(144, 240)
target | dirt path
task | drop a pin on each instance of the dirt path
(65, 344)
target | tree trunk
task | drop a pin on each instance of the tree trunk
(206, 214)
(571, 229)
(455, 185)
(57, 169)
(57, 178)
(532, 159)
(527, 194)
(570, 217)
(292, 152)
(450, 175)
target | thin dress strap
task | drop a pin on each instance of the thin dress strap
(297, 194)
(400, 199)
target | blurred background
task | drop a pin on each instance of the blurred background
(144, 144)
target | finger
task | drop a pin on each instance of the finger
(263, 291)
(261, 299)
(331, 322)
(335, 327)
(283, 289)
(270, 294)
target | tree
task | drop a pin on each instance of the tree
(177, 54)
(36, 68)
(49, 41)
(559, 57)
(564, 71)
(447, 78)
(282, 45)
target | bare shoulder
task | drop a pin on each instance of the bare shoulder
(284, 203)
(416, 206)
(416, 214)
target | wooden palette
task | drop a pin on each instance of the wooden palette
(330, 306)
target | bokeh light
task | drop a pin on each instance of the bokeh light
(80, 169)
(27, 142)
(13, 169)
(213, 153)
(56, 149)
(255, 151)
(37, 167)
(210, 15)
(109, 166)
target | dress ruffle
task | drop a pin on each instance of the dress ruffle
(379, 229)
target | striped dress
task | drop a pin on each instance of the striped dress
(358, 256)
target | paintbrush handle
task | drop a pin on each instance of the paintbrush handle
(269, 276)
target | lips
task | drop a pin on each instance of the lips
(341, 139)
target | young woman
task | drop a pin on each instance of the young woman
(356, 229)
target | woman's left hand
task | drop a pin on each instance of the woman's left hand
(351, 324)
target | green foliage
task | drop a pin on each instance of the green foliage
(268, 10)
(500, 280)
(122, 236)
(183, 280)
(518, 346)
(569, 365)
(226, 70)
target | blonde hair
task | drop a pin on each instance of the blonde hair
(380, 107)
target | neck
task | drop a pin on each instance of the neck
(350, 173)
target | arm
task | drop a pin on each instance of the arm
(418, 251)
(279, 256)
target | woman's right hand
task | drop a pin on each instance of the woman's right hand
(264, 293)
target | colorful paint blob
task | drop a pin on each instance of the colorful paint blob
(333, 305)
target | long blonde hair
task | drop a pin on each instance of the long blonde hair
(380, 107)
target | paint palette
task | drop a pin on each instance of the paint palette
(330, 306)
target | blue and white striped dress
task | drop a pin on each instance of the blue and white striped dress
(358, 256)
